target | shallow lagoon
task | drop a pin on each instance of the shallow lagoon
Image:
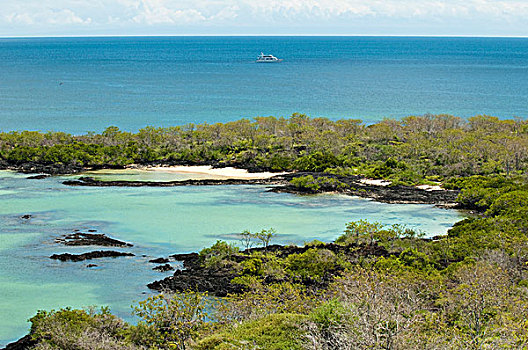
(158, 221)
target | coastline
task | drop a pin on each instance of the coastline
(354, 185)
(225, 172)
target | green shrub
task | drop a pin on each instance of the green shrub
(272, 332)
(306, 182)
(169, 321)
(68, 329)
(512, 204)
(313, 263)
(330, 313)
(311, 184)
(218, 254)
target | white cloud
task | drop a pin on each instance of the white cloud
(158, 12)
(68, 14)
(48, 16)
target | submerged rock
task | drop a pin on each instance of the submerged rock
(90, 255)
(38, 177)
(159, 261)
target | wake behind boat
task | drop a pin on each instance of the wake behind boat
(267, 59)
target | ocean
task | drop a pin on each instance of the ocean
(86, 84)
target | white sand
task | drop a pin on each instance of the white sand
(375, 182)
(430, 187)
(228, 173)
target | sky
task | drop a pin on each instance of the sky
(263, 17)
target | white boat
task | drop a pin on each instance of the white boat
(268, 59)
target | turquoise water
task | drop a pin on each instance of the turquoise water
(87, 84)
(158, 221)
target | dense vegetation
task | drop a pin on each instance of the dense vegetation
(465, 290)
(430, 147)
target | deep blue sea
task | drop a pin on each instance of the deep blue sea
(87, 84)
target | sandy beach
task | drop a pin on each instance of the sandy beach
(227, 173)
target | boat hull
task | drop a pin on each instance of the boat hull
(274, 61)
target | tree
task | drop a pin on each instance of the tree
(170, 320)
(265, 236)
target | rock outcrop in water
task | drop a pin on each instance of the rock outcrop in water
(86, 239)
(89, 181)
(163, 268)
(217, 281)
(38, 177)
(90, 255)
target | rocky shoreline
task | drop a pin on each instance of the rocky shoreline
(352, 185)
(217, 281)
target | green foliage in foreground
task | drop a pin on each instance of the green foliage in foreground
(465, 290)
(273, 332)
(415, 149)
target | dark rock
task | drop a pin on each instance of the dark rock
(91, 265)
(38, 177)
(189, 259)
(198, 278)
(51, 169)
(387, 194)
(26, 216)
(24, 343)
(163, 268)
(216, 282)
(159, 261)
(90, 255)
(89, 181)
(92, 230)
(84, 239)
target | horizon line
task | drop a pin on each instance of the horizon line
(259, 35)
